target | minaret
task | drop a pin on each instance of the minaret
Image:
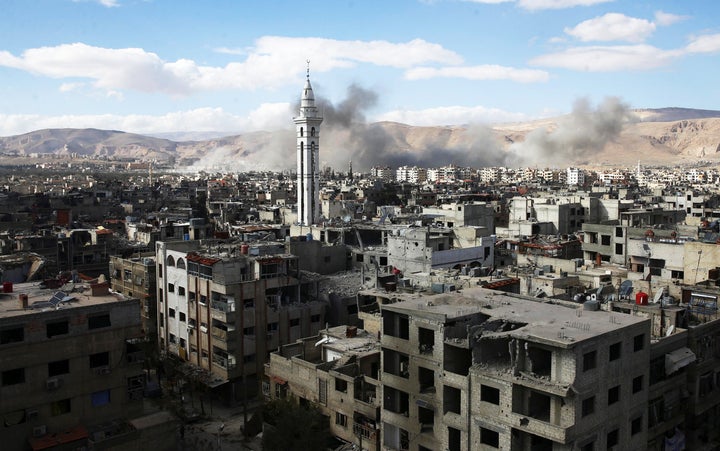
(307, 126)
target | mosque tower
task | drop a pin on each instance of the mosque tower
(307, 126)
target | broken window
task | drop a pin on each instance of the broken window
(426, 337)
(426, 378)
(490, 394)
(613, 395)
(539, 361)
(451, 399)
(615, 351)
(489, 437)
(457, 360)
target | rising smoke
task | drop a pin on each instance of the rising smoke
(346, 135)
(577, 136)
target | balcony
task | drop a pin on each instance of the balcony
(223, 310)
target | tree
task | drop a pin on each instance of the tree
(295, 427)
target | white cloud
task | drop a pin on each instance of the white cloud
(557, 4)
(483, 72)
(608, 58)
(106, 3)
(451, 115)
(273, 61)
(70, 87)
(543, 4)
(612, 27)
(709, 43)
(664, 19)
(272, 116)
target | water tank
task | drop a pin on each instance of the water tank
(23, 300)
(186, 237)
(591, 305)
(7, 287)
(641, 298)
(308, 237)
(244, 248)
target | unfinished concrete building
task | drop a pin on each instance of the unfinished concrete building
(479, 369)
(338, 371)
(135, 277)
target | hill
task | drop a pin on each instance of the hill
(611, 136)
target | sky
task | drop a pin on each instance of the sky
(157, 66)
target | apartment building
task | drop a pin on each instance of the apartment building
(71, 375)
(223, 308)
(135, 277)
(484, 370)
(336, 370)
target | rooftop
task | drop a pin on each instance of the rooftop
(557, 323)
(41, 299)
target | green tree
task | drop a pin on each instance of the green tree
(295, 427)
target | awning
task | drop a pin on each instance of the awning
(76, 434)
(677, 359)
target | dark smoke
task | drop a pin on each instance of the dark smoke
(346, 135)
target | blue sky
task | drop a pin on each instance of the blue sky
(151, 66)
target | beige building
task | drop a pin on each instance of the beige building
(223, 308)
(338, 371)
(71, 375)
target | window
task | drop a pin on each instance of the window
(249, 331)
(489, 437)
(340, 385)
(589, 360)
(637, 384)
(99, 359)
(171, 288)
(605, 240)
(326, 259)
(612, 438)
(171, 313)
(639, 342)
(249, 358)
(636, 425)
(315, 318)
(171, 338)
(618, 249)
(618, 232)
(181, 291)
(340, 419)
(58, 367)
(99, 321)
(294, 322)
(613, 395)
(588, 406)
(60, 407)
(57, 328)
(13, 377)
(588, 446)
(490, 394)
(615, 351)
(100, 398)
(272, 327)
(182, 317)
(249, 303)
(13, 335)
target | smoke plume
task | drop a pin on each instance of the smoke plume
(577, 136)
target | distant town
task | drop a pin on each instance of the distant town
(149, 306)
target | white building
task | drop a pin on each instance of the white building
(575, 176)
(307, 125)
(412, 174)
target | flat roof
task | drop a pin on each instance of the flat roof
(559, 323)
(68, 296)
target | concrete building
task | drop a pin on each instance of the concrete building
(307, 126)
(136, 277)
(223, 308)
(336, 370)
(483, 370)
(71, 377)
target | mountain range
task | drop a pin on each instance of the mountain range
(611, 137)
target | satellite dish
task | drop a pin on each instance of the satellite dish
(670, 330)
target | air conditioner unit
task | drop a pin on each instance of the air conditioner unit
(39, 431)
(53, 383)
(102, 370)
